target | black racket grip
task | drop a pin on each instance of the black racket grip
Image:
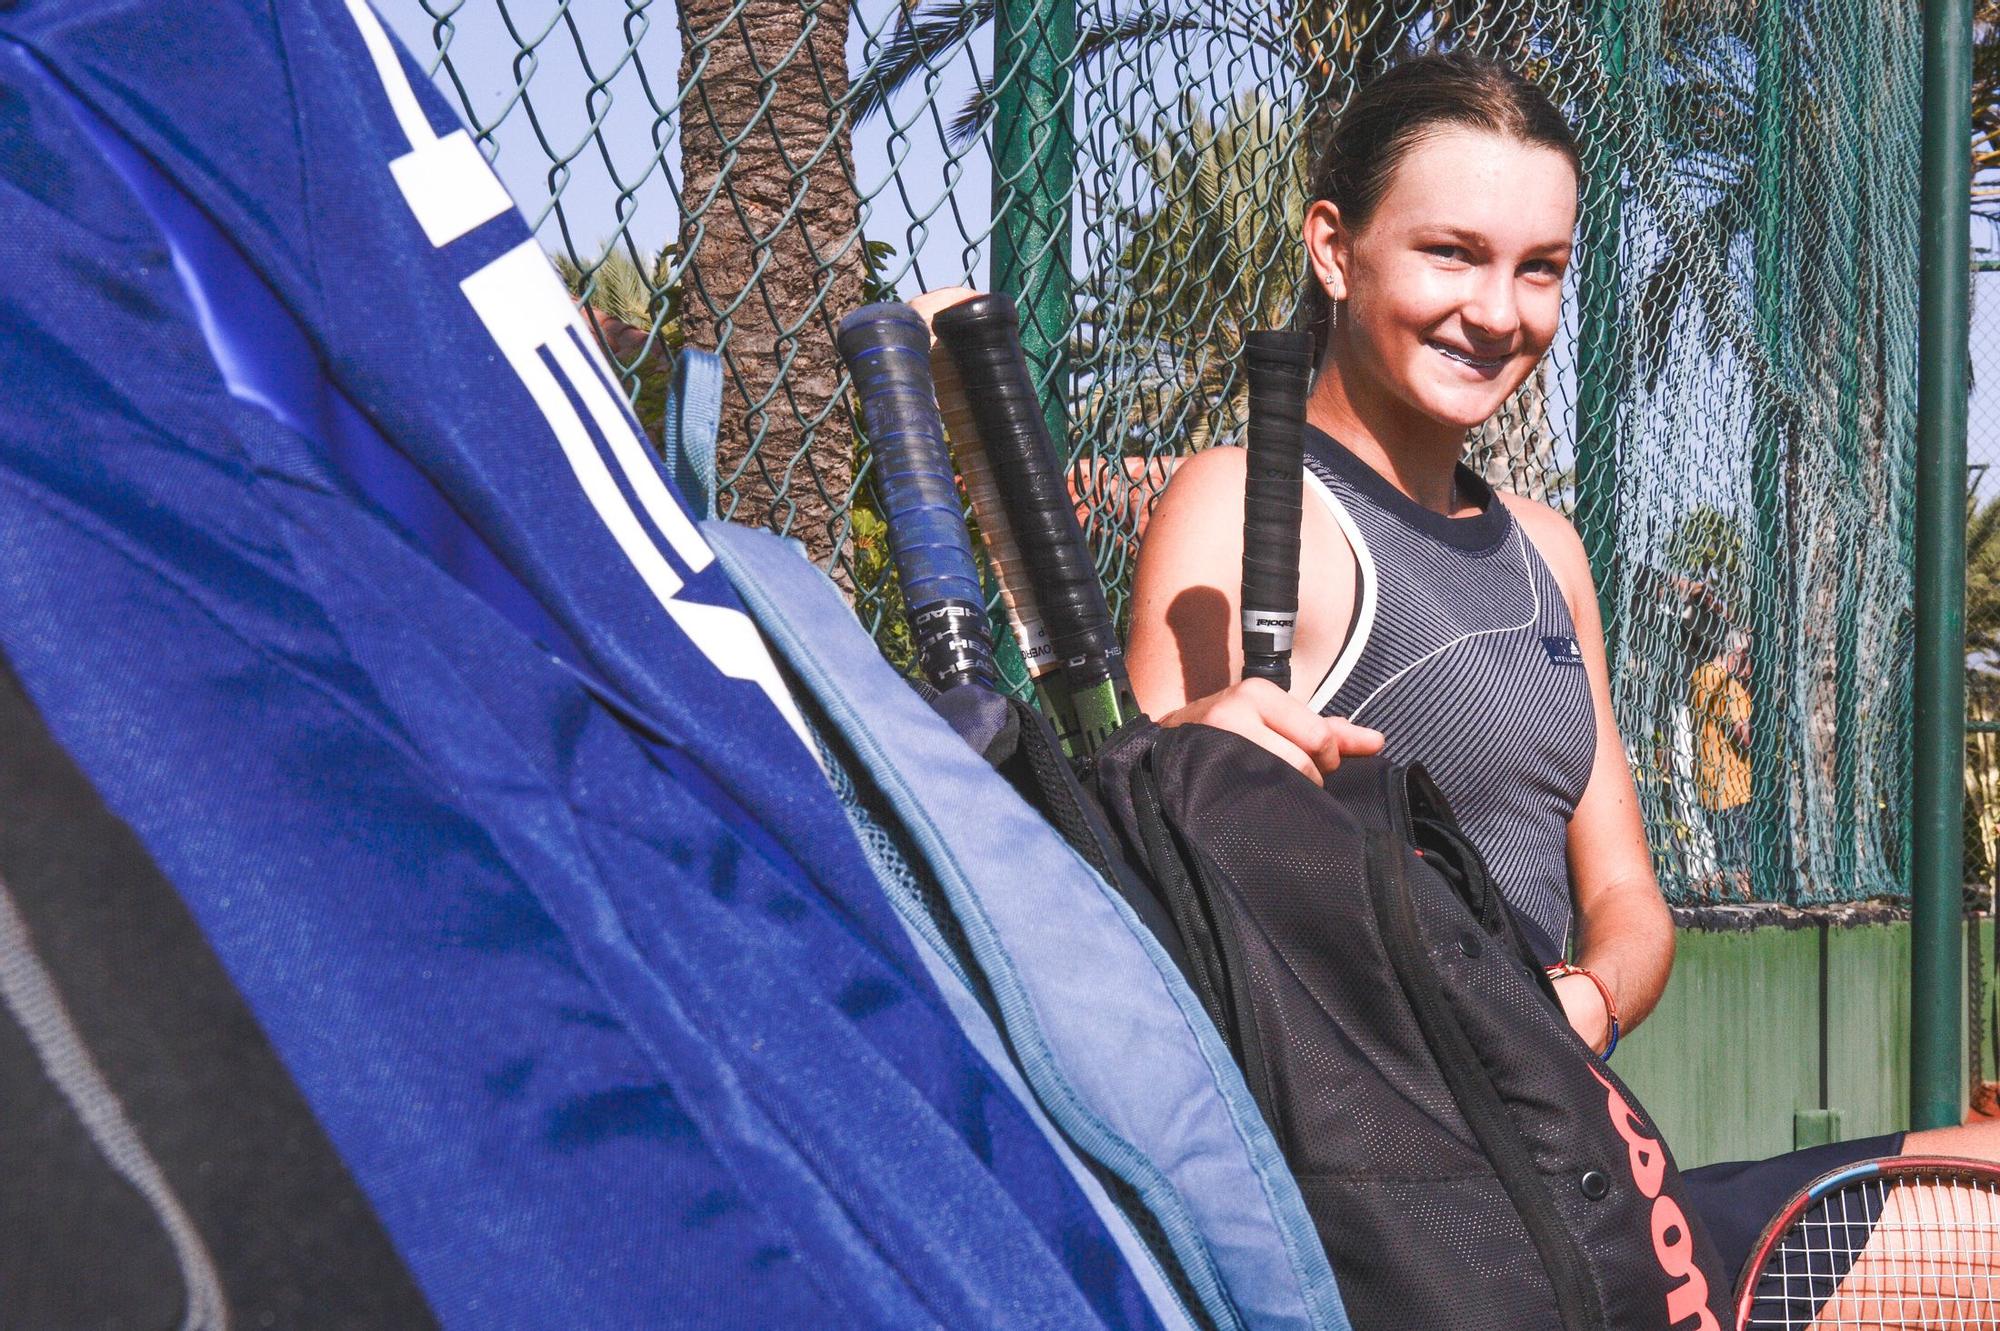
(1279, 368)
(887, 348)
(983, 335)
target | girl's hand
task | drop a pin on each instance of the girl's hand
(1584, 1006)
(1272, 719)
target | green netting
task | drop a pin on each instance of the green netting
(1728, 414)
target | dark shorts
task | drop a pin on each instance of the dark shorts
(1738, 1199)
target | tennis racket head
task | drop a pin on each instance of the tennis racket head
(1278, 366)
(887, 349)
(1906, 1241)
(983, 337)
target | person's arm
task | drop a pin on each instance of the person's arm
(1625, 934)
(1185, 642)
(1185, 647)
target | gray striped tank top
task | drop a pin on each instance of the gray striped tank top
(1462, 653)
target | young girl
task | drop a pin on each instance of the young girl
(1439, 619)
(1459, 623)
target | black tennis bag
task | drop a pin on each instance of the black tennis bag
(1468, 1161)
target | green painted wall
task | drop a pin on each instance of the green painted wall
(1763, 1031)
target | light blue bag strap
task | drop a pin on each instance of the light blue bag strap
(694, 418)
(910, 895)
(1118, 1052)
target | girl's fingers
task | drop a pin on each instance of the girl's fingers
(1281, 725)
(1355, 741)
(1341, 740)
(1325, 740)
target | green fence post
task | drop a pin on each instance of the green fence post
(1771, 598)
(1034, 171)
(1600, 349)
(1937, 788)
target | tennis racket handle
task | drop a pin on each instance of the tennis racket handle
(1279, 367)
(983, 337)
(996, 533)
(887, 348)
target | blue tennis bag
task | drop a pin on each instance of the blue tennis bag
(442, 880)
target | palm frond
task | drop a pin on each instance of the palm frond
(972, 118)
(1205, 251)
(1982, 576)
(618, 288)
(1143, 23)
(1664, 294)
(928, 39)
(920, 42)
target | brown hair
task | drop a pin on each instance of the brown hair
(1398, 110)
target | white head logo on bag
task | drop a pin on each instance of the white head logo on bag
(450, 189)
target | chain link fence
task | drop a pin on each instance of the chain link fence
(1727, 415)
(1982, 536)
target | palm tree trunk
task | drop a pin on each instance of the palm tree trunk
(771, 228)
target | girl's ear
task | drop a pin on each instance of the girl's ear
(1327, 248)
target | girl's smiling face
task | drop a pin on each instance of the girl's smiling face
(1451, 290)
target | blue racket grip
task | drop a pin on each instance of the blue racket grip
(887, 349)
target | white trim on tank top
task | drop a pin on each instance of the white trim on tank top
(1364, 595)
(1365, 619)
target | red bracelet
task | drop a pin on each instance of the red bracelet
(1562, 968)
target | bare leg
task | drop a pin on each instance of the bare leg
(1977, 1140)
(1933, 1257)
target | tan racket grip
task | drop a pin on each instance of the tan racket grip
(1003, 551)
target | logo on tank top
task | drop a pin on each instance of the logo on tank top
(1563, 651)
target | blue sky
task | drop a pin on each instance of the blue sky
(486, 54)
(946, 201)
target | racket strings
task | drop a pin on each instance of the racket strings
(1920, 1250)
